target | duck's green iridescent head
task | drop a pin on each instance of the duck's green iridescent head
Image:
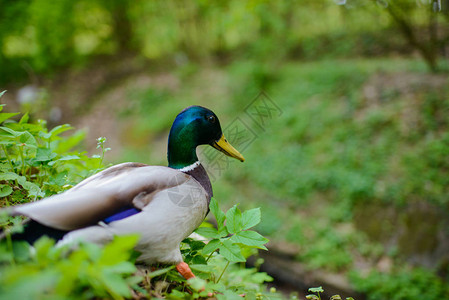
(194, 126)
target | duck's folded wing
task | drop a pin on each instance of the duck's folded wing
(102, 195)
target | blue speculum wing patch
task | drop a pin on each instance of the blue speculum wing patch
(126, 212)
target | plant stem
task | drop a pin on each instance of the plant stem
(223, 272)
(23, 160)
(210, 255)
(10, 248)
(8, 158)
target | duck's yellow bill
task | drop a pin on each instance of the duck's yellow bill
(223, 145)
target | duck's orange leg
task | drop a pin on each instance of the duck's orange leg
(184, 270)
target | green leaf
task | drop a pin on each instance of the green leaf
(44, 154)
(69, 143)
(249, 238)
(234, 220)
(9, 176)
(175, 294)
(116, 284)
(2, 93)
(5, 190)
(64, 158)
(217, 212)
(24, 118)
(6, 116)
(124, 267)
(197, 283)
(229, 295)
(32, 188)
(196, 245)
(316, 289)
(208, 232)
(59, 129)
(5, 131)
(119, 249)
(231, 251)
(160, 272)
(250, 218)
(202, 268)
(211, 246)
(28, 139)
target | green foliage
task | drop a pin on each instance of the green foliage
(232, 236)
(49, 36)
(317, 295)
(36, 162)
(61, 273)
(404, 284)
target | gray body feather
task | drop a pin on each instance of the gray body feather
(172, 205)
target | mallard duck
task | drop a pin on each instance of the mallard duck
(162, 204)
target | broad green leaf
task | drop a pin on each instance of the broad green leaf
(69, 143)
(44, 154)
(119, 249)
(9, 176)
(229, 295)
(5, 131)
(4, 167)
(28, 139)
(208, 232)
(160, 272)
(196, 245)
(249, 238)
(231, 251)
(211, 246)
(234, 220)
(64, 158)
(175, 294)
(197, 283)
(6, 116)
(202, 268)
(59, 129)
(116, 284)
(316, 289)
(1, 94)
(125, 267)
(68, 157)
(5, 190)
(217, 212)
(24, 118)
(32, 188)
(250, 218)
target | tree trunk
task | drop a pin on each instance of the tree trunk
(428, 52)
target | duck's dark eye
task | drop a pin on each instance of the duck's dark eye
(211, 119)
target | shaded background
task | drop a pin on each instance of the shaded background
(347, 149)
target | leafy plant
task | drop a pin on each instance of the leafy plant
(217, 262)
(403, 283)
(37, 162)
(317, 295)
(57, 272)
(232, 235)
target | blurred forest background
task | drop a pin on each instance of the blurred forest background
(351, 168)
